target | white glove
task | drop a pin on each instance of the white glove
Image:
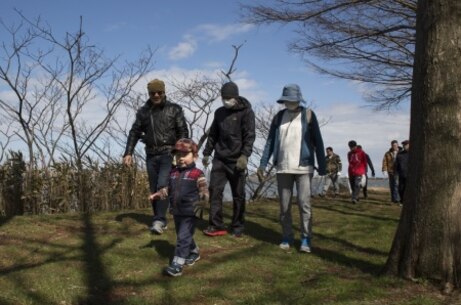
(339, 174)
(385, 174)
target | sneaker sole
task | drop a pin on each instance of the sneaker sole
(156, 231)
(191, 264)
(305, 250)
(218, 233)
(284, 247)
(173, 274)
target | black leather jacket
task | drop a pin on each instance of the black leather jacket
(159, 126)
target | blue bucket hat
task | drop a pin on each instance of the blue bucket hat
(291, 93)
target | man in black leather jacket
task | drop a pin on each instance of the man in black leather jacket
(231, 137)
(160, 123)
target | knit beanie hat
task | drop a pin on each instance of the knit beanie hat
(156, 85)
(230, 90)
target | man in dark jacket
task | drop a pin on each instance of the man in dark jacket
(160, 124)
(401, 167)
(231, 137)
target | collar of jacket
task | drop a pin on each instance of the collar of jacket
(161, 105)
(192, 165)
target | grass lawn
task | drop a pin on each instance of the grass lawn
(111, 258)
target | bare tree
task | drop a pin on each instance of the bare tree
(196, 96)
(370, 41)
(66, 92)
(31, 99)
(428, 239)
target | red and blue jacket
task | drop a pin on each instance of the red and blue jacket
(187, 187)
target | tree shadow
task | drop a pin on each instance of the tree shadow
(138, 217)
(348, 244)
(99, 285)
(346, 261)
(355, 213)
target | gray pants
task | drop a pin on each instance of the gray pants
(285, 187)
(329, 179)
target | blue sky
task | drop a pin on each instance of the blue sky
(198, 36)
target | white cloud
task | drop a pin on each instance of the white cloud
(205, 32)
(184, 49)
(221, 32)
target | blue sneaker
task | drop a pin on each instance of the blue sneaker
(192, 258)
(305, 245)
(174, 269)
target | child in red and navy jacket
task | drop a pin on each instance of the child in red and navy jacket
(187, 186)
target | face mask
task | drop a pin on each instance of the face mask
(291, 105)
(229, 103)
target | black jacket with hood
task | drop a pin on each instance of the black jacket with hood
(232, 132)
(160, 126)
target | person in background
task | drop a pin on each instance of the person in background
(187, 186)
(401, 168)
(388, 170)
(294, 141)
(334, 167)
(160, 124)
(369, 164)
(232, 134)
(357, 168)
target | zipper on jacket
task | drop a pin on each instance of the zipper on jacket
(178, 184)
(152, 126)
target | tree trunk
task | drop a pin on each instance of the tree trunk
(428, 239)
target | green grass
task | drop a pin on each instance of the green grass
(111, 258)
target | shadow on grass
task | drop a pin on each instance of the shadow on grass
(163, 247)
(140, 218)
(99, 285)
(355, 213)
(348, 244)
(4, 220)
(338, 258)
(261, 233)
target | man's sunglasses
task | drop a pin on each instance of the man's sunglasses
(156, 92)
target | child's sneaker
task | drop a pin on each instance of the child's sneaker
(174, 269)
(305, 245)
(192, 258)
(213, 231)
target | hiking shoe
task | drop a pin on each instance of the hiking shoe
(158, 227)
(305, 245)
(213, 231)
(192, 258)
(354, 201)
(174, 269)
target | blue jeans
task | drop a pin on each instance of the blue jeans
(185, 228)
(158, 170)
(354, 182)
(394, 187)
